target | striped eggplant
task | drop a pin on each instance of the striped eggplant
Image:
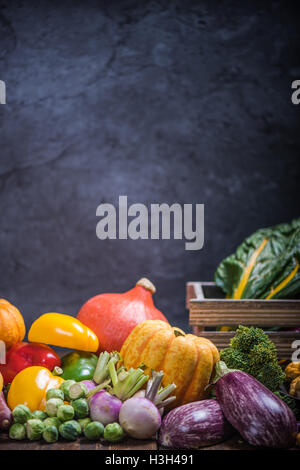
(254, 411)
(194, 425)
(6, 418)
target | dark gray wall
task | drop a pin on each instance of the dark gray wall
(162, 101)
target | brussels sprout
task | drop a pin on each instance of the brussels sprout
(55, 393)
(21, 414)
(113, 432)
(53, 421)
(65, 387)
(34, 429)
(52, 406)
(50, 434)
(77, 390)
(83, 422)
(81, 408)
(65, 412)
(94, 430)
(70, 430)
(39, 414)
(17, 431)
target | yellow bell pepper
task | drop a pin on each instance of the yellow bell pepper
(64, 331)
(1, 382)
(30, 386)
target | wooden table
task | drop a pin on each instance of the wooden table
(80, 444)
(234, 443)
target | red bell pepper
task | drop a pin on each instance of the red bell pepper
(23, 355)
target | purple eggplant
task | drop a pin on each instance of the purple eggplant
(254, 411)
(194, 425)
(5, 414)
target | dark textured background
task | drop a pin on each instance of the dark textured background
(162, 101)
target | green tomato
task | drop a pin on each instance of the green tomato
(52, 406)
(65, 387)
(113, 432)
(21, 414)
(70, 430)
(17, 431)
(65, 412)
(50, 434)
(53, 421)
(34, 429)
(55, 393)
(39, 414)
(93, 431)
(81, 408)
(83, 422)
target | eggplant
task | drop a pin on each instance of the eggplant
(197, 424)
(253, 410)
(5, 414)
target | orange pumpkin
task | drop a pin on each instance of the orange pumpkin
(12, 326)
(186, 360)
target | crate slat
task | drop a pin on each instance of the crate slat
(208, 308)
(283, 340)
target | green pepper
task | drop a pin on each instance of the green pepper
(78, 365)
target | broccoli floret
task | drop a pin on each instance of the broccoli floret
(234, 359)
(246, 338)
(253, 352)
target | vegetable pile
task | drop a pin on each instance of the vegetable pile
(157, 383)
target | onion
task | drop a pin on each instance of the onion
(139, 418)
(104, 407)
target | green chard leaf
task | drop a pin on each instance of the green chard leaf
(266, 265)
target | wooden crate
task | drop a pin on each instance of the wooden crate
(209, 309)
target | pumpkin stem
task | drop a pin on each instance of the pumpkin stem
(178, 333)
(144, 282)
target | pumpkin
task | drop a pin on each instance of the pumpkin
(113, 316)
(12, 326)
(186, 360)
(292, 371)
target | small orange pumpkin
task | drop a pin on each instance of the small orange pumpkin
(12, 326)
(186, 360)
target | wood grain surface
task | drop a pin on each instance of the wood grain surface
(208, 309)
(80, 444)
(234, 443)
